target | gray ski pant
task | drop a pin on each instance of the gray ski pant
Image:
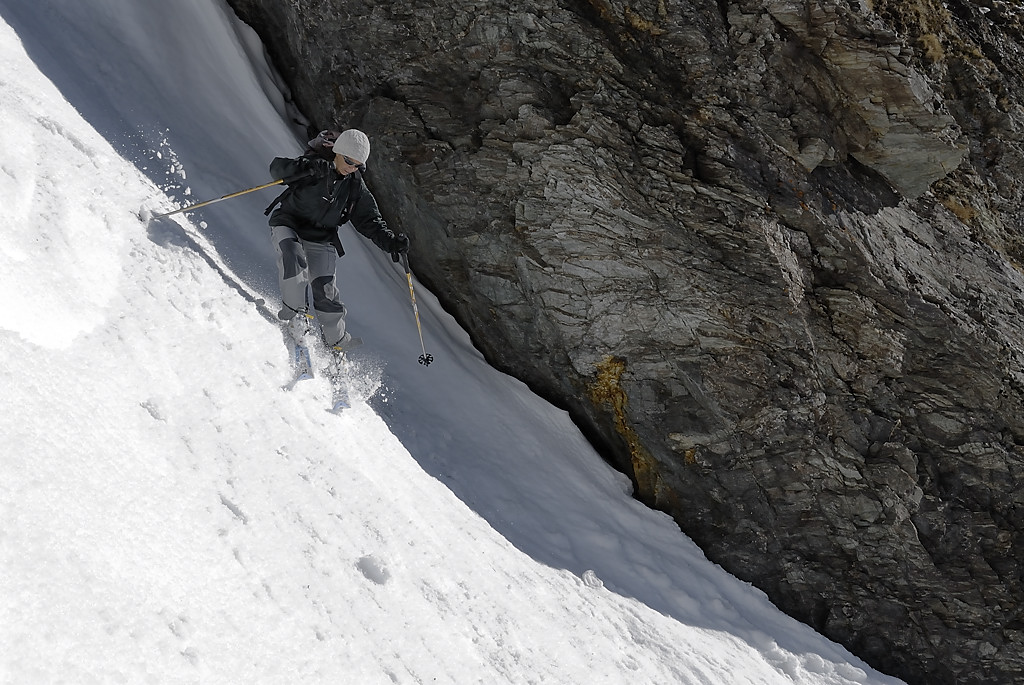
(302, 264)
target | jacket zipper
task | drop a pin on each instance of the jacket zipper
(333, 190)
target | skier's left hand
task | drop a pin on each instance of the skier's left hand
(399, 246)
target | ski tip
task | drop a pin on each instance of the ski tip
(340, 402)
(290, 385)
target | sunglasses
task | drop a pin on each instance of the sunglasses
(352, 162)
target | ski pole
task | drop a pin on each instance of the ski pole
(197, 205)
(425, 358)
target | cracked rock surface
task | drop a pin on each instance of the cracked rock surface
(766, 252)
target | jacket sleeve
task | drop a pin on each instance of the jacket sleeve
(283, 167)
(304, 167)
(367, 220)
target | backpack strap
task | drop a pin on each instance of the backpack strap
(353, 197)
(277, 200)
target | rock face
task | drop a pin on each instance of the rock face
(767, 252)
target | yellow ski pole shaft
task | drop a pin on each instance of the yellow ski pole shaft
(285, 181)
(425, 358)
(219, 199)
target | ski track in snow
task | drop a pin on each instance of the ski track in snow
(172, 516)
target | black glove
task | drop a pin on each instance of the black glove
(399, 246)
(319, 168)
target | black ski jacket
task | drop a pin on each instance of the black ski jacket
(316, 205)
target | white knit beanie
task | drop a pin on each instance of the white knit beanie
(353, 144)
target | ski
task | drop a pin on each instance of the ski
(301, 363)
(340, 399)
(298, 330)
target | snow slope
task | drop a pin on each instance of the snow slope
(170, 515)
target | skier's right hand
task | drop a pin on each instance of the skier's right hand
(317, 168)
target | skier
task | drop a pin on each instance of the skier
(304, 230)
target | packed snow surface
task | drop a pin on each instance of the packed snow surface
(171, 515)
